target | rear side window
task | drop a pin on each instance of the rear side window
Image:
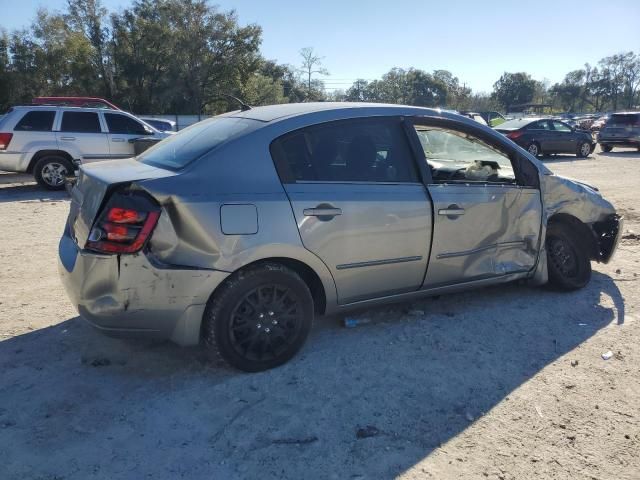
(80, 122)
(178, 150)
(36, 121)
(623, 120)
(124, 125)
(368, 150)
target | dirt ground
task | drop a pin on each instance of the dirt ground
(501, 383)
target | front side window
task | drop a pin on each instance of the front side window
(36, 121)
(80, 122)
(455, 157)
(541, 125)
(125, 125)
(367, 150)
(561, 127)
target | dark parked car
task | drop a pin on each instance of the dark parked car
(621, 130)
(543, 136)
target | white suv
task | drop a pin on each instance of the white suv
(51, 141)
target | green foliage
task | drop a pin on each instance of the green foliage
(514, 89)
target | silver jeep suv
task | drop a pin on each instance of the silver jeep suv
(51, 141)
(238, 230)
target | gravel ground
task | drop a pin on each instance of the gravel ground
(500, 383)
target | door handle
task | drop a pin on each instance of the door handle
(117, 140)
(68, 138)
(320, 211)
(451, 211)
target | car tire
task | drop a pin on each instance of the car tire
(50, 171)
(606, 148)
(259, 319)
(567, 260)
(583, 150)
(534, 149)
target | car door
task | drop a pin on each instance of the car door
(486, 202)
(80, 133)
(122, 131)
(541, 133)
(564, 139)
(358, 203)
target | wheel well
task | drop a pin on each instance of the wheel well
(308, 275)
(43, 153)
(585, 234)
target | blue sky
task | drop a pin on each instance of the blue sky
(476, 40)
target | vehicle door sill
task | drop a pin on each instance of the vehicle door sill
(437, 290)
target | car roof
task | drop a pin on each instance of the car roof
(66, 107)
(624, 113)
(288, 110)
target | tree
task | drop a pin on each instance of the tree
(311, 65)
(87, 17)
(357, 92)
(514, 89)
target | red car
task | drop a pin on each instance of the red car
(86, 102)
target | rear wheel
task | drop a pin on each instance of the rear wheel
(606, 148)
(534, 149)
(584, 149)
(260, 318)
(51, 171)
(567, 259)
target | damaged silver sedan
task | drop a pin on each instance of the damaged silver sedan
(237, 231)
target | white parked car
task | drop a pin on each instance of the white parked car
(51, 142)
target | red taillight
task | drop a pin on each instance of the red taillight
(514, 135)
(5, 139)
(122, 230)
(125, 215)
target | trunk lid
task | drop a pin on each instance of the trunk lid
(95, 182)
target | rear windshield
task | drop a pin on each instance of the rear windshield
(177, 151)
(626, 119)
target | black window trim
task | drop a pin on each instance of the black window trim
(517, 158)
(287, 177)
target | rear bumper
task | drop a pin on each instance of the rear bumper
(12, 162)
(608, 234)
(132, 295)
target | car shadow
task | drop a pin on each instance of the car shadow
(22, 188)
(370, 401)
(620, 154)
(559, 158)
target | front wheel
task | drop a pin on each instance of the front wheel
(584, 149)
(606, 148)
(51, 171)
(260, 318)
(567, 260)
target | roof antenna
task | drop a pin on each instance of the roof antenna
(243, 106)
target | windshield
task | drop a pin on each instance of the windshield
(177, 151)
